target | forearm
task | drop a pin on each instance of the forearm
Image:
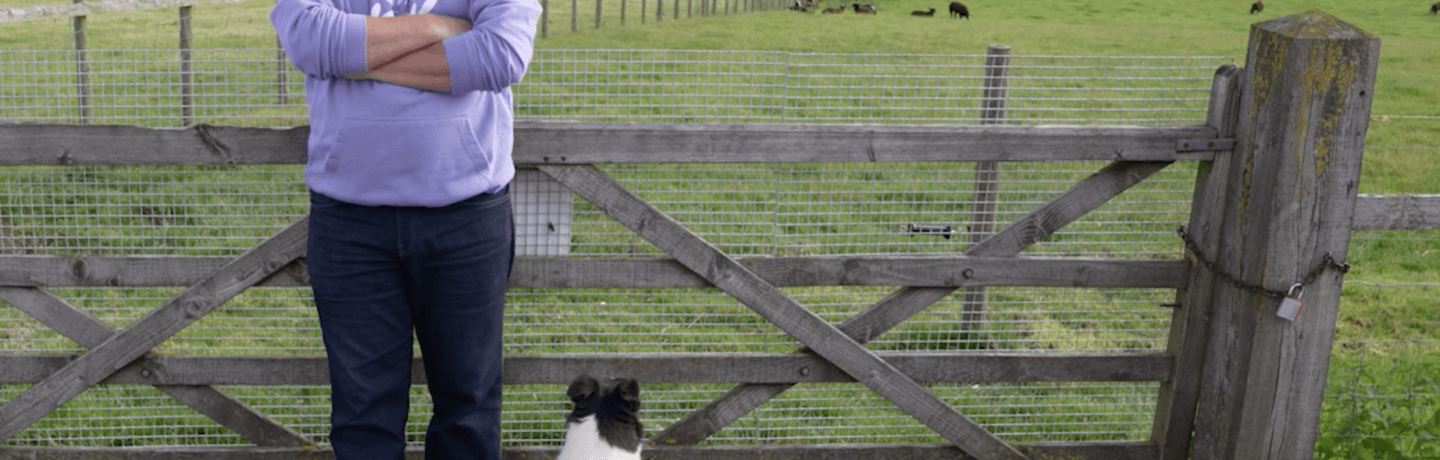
(388, 39)
(495, 53)
(425, 68)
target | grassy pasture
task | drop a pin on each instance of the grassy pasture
(1386, 338)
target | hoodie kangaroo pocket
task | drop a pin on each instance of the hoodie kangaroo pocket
(390, 154)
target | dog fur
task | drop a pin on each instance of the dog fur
(605, 421)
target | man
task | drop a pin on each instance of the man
(410, 221)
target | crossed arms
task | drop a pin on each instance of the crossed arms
(409, 50)
(488, 51)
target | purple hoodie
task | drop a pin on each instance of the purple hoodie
(375, 143)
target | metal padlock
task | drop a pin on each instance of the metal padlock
(1291, 305)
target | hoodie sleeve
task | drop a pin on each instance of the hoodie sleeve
(321, 40)
(496, 51)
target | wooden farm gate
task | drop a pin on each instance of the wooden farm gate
(1279, 159)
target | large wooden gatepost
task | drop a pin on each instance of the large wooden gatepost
(1273, 219)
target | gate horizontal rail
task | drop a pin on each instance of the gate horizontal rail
(551, 142)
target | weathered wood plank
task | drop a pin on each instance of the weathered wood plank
(538, 143)
(1304, 113)
(90, 332)
(930, 367)
(1399, 212)
(1190, 322)
(596, 143)
(1079, 200)
(1069, 451)
(49, 144)
(152, 329)
(64, 318)
(128, 271)
(558, 272)
(777, 308)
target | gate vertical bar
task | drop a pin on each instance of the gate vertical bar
(987, 183)
(1189, 323)
(1295, 170)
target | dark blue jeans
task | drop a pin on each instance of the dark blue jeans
(380, 273)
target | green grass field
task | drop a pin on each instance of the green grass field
(1384, 397)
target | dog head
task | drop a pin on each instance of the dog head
(615, 403)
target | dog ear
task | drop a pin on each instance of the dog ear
(584, 387)
(629, 390)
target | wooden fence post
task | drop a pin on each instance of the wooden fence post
(282, 66)
(187, 89)
(82, 69)
(1285, 220)
(987, 182)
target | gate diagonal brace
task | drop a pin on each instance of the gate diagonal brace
(88, 331)
(901, 305)
(898, 307)
(787, 314)
(184, 309)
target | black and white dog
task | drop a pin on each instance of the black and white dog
(605, 422)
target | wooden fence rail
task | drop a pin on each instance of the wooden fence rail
(1235, 380)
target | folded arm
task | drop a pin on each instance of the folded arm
(424, 51)
(327, 42)
(425, 68)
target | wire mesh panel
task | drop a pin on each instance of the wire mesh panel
(1383, 390)
(747, 86)
(751, 210)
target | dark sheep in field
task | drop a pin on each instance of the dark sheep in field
(957, 8)
(864, 9)
(923, 13)
(1257, 7)
(1435, 8)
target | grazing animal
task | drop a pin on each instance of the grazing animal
(605, 421)
(959, 9)
(864, 9)
(1257, 7)
(923, 13)
(836, 10)
(1435, 8)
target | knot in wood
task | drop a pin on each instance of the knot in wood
(195, 308)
